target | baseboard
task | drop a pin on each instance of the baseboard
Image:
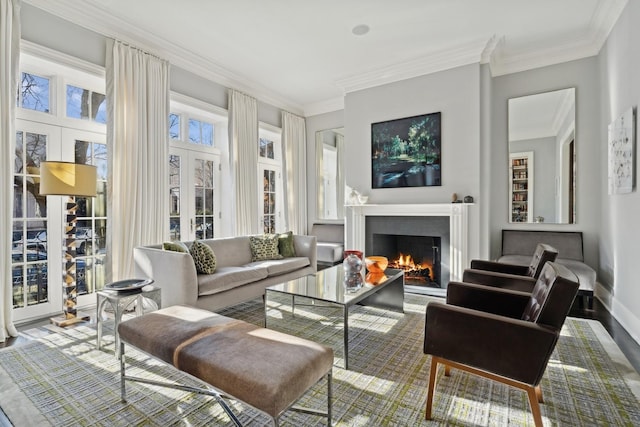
(629, 321)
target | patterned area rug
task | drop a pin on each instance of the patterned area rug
(61, 379)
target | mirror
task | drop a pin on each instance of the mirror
(330, 173)
(542, 158)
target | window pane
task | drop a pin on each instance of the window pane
(99, 107)
(194, 131)
(207, 134)
(19, 161)
(266, 148)
(77, 102)
(83, 152)
(100, 160)
(35, 92)
(174, 126)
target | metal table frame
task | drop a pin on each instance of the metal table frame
(120, 301)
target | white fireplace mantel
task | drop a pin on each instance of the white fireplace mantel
(458, 227)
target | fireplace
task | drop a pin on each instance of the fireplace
(446, 221)
(417, 244)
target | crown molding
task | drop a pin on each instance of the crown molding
(466, 54)
(604, 18)
(326, 106)
(57, 57)
(92, 17)
(508, 64)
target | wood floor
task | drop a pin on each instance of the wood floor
(629, 347)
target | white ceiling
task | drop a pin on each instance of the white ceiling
(302, 55)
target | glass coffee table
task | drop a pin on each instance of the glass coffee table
(386, 291)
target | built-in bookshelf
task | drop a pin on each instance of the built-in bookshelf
(521, 194)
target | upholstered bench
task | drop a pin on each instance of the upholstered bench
(265, 369)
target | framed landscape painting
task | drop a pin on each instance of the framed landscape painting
(406, 152)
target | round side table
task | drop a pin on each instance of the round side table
(120, 298)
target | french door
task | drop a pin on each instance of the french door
(37, 240)
(194, 183)
(270, 189)
(36, 271)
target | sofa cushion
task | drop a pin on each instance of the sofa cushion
(264, 247)
(175, 247)
(203, 257)
(285, 244)
(586, 275)
(281, 266)
(228, 278)
(329, 252)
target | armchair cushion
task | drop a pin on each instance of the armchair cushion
(500, 280)
(503, 302)
(499, 267)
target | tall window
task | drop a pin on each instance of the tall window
(197, 134)
(270, 179)
(60, 116)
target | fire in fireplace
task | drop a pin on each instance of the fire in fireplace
(421, 271)
(418, 256)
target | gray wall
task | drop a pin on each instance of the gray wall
(583, 75)
(456, 94)
(332, 120)
(619, 67)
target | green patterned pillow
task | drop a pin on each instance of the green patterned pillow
(203, 257)
(285, 245)
(264, 247)
(175, 247)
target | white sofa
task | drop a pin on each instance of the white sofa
(236, 278)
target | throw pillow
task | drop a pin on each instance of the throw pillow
(203, 257)
(175, 247)
(264, 247)
(285, 245)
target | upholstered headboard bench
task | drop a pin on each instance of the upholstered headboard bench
(519, 245)
(330, 242)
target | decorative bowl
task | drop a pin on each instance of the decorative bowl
(376, 264)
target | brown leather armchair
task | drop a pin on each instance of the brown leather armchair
(465, 332)
(509, 276)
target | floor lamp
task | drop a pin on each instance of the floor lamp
(68, 179)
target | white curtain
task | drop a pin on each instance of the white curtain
(294, 146)
(340, 174)
(243, 135)
(9, 59)
(138, 154)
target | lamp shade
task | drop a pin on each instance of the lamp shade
(67, 179)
